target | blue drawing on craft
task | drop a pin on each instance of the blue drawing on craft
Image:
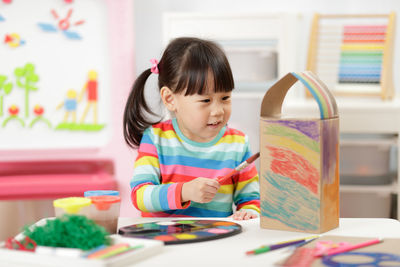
(290, 203)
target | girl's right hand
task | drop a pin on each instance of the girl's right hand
(201, 190)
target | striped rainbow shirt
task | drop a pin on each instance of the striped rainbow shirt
(167, 159)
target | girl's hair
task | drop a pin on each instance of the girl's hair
(183, 68)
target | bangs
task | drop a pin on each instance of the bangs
(202, 66)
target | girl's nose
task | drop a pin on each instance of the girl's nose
(217, 110)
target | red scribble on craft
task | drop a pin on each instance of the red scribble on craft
(294, 166)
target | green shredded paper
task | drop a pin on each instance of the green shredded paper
(69, 231)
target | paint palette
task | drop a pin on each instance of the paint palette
(182, 231)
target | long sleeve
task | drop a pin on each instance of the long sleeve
(247, 188)
(148, 194)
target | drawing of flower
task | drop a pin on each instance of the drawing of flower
(39, 110)
(13, 110)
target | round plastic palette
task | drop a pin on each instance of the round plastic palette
(182, 231)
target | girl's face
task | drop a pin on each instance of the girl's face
(201, 117)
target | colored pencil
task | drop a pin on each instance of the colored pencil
(106, 250)
(240, 167)
(300, 239)
(264, 249)
(352, 247)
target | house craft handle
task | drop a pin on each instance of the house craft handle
(272, 102)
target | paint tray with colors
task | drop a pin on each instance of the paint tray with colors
(182, 231)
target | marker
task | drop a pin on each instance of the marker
(351, 247)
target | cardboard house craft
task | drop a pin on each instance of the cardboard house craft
(299, 161)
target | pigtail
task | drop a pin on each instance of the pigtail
(136, 109)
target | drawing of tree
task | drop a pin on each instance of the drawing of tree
(5, 89)
(26, 78)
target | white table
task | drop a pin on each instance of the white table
(230, 251)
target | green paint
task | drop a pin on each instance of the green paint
(185, 222)
(13, 118)
(26, 78)
(6, 88)
(294, 135)
(80, 127)
(40, 118)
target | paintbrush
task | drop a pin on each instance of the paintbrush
(240, 167)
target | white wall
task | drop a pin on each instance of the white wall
(148, 18)
(148, 37)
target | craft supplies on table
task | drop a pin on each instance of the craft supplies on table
(72, 205)
(105, 211)
(332, 250)
(182, 231)
(122, 251)
(295, 242)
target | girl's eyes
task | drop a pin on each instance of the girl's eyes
(207, 100)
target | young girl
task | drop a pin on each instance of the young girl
(179, 160)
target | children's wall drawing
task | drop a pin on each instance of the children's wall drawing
(353, 54)
(55, 85)
(299, 170)
(62, 25)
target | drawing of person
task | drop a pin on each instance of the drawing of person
(70, 105)
(91, 88)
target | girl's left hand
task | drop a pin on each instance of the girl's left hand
(243, 215)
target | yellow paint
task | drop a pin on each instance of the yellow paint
(185, 236)
(283, 142)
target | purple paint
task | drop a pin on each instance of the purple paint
(309, 128)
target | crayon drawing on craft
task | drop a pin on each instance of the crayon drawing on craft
(298, 167)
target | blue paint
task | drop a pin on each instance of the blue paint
(290, 203)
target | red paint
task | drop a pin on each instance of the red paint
(294, 166)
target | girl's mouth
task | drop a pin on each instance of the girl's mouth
(214, 124)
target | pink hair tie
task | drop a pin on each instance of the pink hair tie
(154, 67)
